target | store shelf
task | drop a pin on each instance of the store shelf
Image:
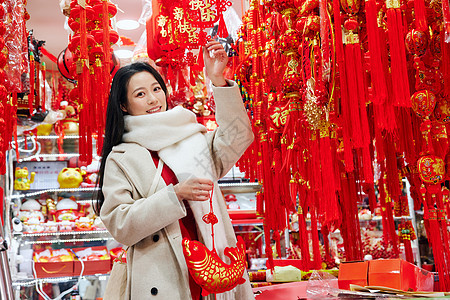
(62, 241)
(246, 187)
(249, 222)
(39, 234)
(32, 281)
(40, 192)
(63, 237)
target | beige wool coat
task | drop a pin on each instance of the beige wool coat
(149, 224)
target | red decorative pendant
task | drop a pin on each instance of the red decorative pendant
(209, 271)
(431, 169)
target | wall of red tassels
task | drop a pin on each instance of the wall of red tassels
(348, 97)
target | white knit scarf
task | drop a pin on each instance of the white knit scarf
(181, 144)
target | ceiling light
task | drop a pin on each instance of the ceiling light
(127, 24)
(123, 53)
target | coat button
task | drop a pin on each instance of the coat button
(156, 238)
(154, 291)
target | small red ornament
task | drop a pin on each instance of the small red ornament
(431, 169)
(416, 42)
(291, 83)
(423, 103)
(277, 115)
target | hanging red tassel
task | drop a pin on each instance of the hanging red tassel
(222, 28)
(376, 68)
(200, 62)
(181, 80)
(420, 15)
(317, 262)
(399, 72)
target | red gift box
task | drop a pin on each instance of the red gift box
(52, 267)
(353, 273)
(96, 260)
(392, 273)
(399, 274)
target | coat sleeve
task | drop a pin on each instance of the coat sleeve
(129, 220)
(230, 140)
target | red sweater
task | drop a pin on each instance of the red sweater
(187, 224)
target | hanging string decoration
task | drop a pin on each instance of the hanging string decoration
(179, 25)
(206, 267)
(90, 46)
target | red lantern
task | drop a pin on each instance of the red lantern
(423, 103)
(65, 64)
(74, 45)
(289, 41)
(98, 36)
(98, 10)
(291, 83)
(431, 169)
(416, 42)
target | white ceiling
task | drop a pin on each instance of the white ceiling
(47, 22)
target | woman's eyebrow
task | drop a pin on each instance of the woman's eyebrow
(138, 88)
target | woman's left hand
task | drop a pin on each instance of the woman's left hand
(216, 60)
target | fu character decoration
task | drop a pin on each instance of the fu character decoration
(207, 268)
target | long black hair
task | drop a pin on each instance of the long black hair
(114, 127)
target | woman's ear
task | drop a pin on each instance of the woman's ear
(123, 107)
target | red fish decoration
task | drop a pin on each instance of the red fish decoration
(209, 271)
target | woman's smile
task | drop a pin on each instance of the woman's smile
(154, 110)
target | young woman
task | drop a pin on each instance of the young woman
(152, 213)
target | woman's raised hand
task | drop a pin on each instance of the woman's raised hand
(216, 60)
(194, 189)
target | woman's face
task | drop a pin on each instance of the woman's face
(144, 95)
